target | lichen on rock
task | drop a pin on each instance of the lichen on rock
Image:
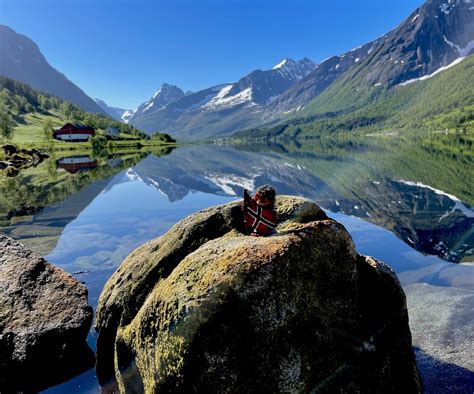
(206, 308)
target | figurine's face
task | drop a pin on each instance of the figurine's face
(262, 201)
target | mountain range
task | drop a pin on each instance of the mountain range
(437, 36)
(224, 108)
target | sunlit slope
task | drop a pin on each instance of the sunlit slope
(446, 91)
(444, 101)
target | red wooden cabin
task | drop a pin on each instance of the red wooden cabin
(73, 132)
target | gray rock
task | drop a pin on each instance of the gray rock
(205, 308)
(44, 321)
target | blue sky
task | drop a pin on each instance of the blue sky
(123, 50)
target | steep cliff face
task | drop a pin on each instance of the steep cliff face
(206, 308)
(433, 36)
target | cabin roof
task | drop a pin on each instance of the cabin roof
(81, 126)
(78, 126)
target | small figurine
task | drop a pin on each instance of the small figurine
(260, 218)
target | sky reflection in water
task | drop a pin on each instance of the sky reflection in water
(133, 209)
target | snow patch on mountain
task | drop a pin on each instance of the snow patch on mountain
(466, 50)
(157, 185)
(449, 42)
(280, 65)
(202, 103)
(150, 104)
(294, 70)
(446, 8)
(223, 92)
(127, 115)
(223, 100)
(424, 77)
(463, 52)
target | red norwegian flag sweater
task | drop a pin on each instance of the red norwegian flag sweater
(260, 221)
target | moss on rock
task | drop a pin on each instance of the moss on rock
(205, 308)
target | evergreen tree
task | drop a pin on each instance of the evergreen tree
(6, 124)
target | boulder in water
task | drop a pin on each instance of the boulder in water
(205, 308)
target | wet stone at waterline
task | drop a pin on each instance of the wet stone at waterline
(44, 321)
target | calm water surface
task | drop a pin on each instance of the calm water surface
(87, 222)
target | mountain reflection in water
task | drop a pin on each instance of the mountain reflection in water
(431, 221)
(419, 195)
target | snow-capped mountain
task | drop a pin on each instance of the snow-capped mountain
(438, 34)
(119, 114)
(261, 87)
(294, 70)
(21, 59)
(221, 109)
(165, 95)
(127, 115)
(319, 79)
(435, 36)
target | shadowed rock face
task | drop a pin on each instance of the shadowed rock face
(44, 321)
(206, 308)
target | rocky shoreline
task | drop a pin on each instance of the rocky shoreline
(15, 159)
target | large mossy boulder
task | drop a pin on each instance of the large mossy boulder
(206, 308)
(44, 321)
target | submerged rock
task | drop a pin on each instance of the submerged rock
(206, 308)
(44, 321)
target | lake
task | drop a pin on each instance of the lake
(406, 201)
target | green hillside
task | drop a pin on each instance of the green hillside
(28, 116)
(444, 101)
